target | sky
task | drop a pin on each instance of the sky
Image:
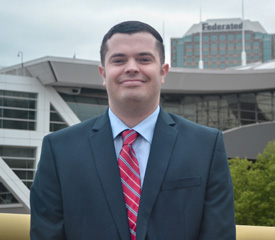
(64, 28)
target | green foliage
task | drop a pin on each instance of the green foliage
(254, 188)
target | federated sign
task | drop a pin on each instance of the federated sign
(206, 27)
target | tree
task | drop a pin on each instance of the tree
(254, 188)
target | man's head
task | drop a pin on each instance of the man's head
(132, 70)
(131, 27)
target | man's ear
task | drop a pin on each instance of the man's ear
(101, 70)
(164, 71)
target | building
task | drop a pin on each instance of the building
(52, 93)
(222, 44)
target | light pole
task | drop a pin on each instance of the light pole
(20, 53)
(243, 38)
(200, 61)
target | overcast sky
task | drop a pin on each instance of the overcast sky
(62, 28)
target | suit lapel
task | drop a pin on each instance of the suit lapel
(165, 135)
(104, 154)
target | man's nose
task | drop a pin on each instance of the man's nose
(132, 67)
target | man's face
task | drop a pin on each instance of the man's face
(132, 72)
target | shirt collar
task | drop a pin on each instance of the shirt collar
(145, 128)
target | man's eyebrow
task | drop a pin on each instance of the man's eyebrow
(138, 54)
(146, 54)
(117, 55)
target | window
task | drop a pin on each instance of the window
(205, 38)
(230, 37)
(88, 104)
(222, 37)
(214, 59)
(214, 38)
(214, 66)
(197, 38)
(187, 39)
(213, 45)
(18, 110)
(214, 52)
(230, 51)
(56, 122)
(5, 196)
(21, 160)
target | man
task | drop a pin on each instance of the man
(179, 186)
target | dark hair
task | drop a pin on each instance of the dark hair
(131, 27)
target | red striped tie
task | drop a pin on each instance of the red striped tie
(130, 178)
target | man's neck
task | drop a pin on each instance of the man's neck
(132, 116)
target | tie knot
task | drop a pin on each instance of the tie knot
(129, 137)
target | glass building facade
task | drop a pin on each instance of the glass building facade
(222, 111)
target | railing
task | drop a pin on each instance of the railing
(255, 233)
(16, 227)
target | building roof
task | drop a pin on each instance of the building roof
(68, 72)
(257, 66)
(253, 26)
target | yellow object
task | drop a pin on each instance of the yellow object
(14, 226)
(17, 227)
(255, 233)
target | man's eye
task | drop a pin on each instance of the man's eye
(118, 61)
(145, 60)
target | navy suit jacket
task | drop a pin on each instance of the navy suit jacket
(187, 192)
